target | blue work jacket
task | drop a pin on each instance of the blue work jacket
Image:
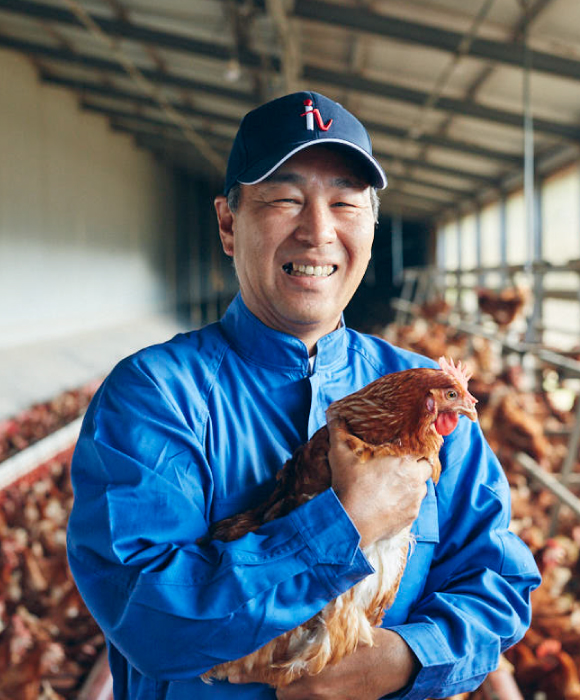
(187, 432)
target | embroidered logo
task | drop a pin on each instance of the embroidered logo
(312, 114)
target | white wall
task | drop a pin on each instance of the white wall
(86, 218)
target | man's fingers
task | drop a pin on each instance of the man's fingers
(337, 430)
(335, 422)
(238, 677)
(425, 468)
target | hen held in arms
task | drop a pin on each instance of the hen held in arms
(403, 413)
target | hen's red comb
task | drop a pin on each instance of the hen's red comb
(458, 371)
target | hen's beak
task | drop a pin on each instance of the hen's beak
(467, 407)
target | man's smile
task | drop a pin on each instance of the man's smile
(309, 270)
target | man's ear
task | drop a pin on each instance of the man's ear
(226, 224)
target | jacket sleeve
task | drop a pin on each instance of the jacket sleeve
(174, 609)
(476, 599)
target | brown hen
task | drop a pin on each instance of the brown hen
(403, 413)
(503, 306)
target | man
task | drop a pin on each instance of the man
(193, 430)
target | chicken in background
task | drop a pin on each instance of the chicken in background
(503, 306)
(428, 338)
(48, 639)
(435, 307)
(560, 679)
(516, 418)
(516, 428)
(20, 431)
(403, 413)
(544, 669)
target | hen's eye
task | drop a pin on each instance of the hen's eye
(451, 394)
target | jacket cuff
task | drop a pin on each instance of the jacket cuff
(332, 540)
(436, 660)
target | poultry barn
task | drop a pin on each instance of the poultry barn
(116, 121)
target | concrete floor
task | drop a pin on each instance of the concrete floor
(38, 371)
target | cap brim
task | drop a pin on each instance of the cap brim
(260, 171)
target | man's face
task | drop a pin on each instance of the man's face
(301, 241)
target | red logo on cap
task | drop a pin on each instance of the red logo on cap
(312, 114)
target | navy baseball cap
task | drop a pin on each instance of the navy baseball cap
(274, 132)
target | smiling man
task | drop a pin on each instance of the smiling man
(301, 240)
(191, 431)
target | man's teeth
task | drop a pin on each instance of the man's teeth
(310, 270)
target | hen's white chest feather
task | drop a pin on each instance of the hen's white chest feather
(388, 559)
(359, 609)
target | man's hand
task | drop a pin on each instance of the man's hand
(382, 495)
(368, 674)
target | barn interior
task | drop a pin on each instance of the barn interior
(116, 120)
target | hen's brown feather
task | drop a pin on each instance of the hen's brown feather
(503, 306)
(392, 415)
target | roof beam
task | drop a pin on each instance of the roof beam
(129, 30)
(447, 143)
(310, 72)
(146, 121)
(446, 104)
(364, 20)
(375, 127)
(418, 202)
(152, 121)
(420, 182)
(546, 162)
(518, 33)
(131, 121)
(435, 201)
(171, 136)
(289, 38)
(91, 88)
(441, 169)
(352, 82)
(175, 152)
(155, 76)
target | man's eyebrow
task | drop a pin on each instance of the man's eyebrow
(349, 183)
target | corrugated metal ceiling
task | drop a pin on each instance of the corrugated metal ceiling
(439, 83)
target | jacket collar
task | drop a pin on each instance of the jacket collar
(265, 346)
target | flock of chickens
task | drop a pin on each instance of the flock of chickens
(41, 419)
(49, 642)
(516, 417)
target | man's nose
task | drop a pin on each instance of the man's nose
(316, 226)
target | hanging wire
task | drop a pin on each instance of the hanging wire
(532, 227)
(462, 50)
(290, 41)
(418, 127)
(528, 144)
(148, 87)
